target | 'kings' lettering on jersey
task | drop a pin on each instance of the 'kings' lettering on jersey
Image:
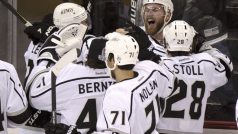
(187, 69)
(148, 90)
(94, 87)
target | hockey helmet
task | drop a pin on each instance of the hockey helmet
(68, 13)
(124, 48)
(178, 36)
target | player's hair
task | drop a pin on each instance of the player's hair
(178, 53)
(96, 64)
(95, 55)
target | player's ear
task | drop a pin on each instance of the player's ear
(110, 60)
(168, 17)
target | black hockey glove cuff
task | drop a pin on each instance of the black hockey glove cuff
(47, 51)
(39, 32)
(198, 41)
(60, 129)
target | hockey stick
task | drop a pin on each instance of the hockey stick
(135, 10)
(66, 59)
(71, 31)
(14, 11)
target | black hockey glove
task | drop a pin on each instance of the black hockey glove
(39, 32)
(148, 55)
(139, 35)
(48, 51)
(60, 129)
(198, 41)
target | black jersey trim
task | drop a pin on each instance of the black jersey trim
(154, 49)
(17, 92)
(22, 117)
(187, 62)
(206, 61)
(105, 119)
(142, 84)
(4, 70)
(220, 71)
(69, 81)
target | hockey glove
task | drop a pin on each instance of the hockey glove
(39, 32)
(64, 40)
(139, 35)
(59, 129)
(198, 41)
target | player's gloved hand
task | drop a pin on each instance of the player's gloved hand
(40, 31)
(198, 41)
(47, 51)
(59, 129)
(148, 55)
(139, 35)
(61, 42)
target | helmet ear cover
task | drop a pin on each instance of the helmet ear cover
(68, 13)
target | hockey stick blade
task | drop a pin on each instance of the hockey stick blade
(14, 11)
(69, 57)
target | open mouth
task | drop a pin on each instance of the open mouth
(151, 21)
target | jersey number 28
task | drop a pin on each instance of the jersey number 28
(195, 106)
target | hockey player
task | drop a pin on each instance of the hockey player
(14, 106)
(156, 14)
(131, 106)
(79, 92)
(198, 74)
(38, 33)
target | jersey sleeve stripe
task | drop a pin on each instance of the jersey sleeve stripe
(22, 117)
(154, 49)
(187, 62)
(4, 70)
(17, 92)
(220, 71)
(105, 119)
(206, 61)
(227, 69)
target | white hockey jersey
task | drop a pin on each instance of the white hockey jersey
(14, 105)
(132, 106)
(198, 75)
(79, 94)
(156, 47)
(30, 56)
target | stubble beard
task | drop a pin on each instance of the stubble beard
(152, 30)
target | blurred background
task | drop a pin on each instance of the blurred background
(204, 15)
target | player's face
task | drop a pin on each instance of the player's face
(153, 16)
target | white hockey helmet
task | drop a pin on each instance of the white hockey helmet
(124, 48)
(68, 13)
(178, 36)
(168, 5)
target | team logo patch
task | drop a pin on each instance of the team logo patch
(67, 10)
